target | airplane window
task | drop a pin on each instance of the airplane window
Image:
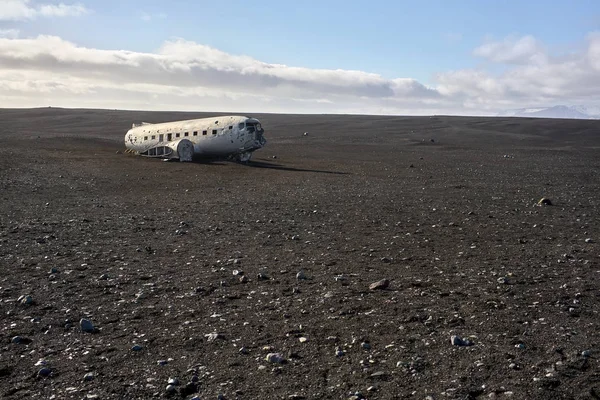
(153, 137)
(195, 133)
(204, 133)
(230, 126)
(185, 134)
(241, 125)
(145, 137)
(214, 131)
(177, 135)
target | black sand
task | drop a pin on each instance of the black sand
(442, 207)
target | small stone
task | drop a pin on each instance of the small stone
(86, 325)
(365, 346)
(171, 389)
(301, 276)
(503, 280)
(262, 276)
(544, 202)
(243, 279)
(371, 389)
(243, 350)
(26, 300)
(512, 366)
(136, 347)
(589, 240)
(275, 358)
(173, 381)
(21, 340)
(586, 353)
(44, 372)
(213, 336)
(303, 339)
(378, 374)
(237, 272)
(380, 285)
(53, 270)
(162, 362)
(89, 376)
(339, 352)
(458, 341)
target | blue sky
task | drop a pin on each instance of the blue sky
(440, 45)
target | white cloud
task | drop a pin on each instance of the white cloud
(190, 76)
(149, 17)
(18, 10)
(513, 50)
(534, 78)
(9, 33)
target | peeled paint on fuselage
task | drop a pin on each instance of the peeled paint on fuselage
(233, 135)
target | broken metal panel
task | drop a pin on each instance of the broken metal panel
(236, 136)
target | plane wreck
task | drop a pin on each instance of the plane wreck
(232, 136)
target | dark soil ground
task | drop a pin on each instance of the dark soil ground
(442, 207)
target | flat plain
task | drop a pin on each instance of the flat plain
(253, 281)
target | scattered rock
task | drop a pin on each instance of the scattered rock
(171, 389)
(25, 300)
(44, 372)
(380, 285)
(213, 336)
(90, 376)
(586, 353)
(458, 341)
(275, 358)
(21, 340)
(544, 201)
(262, 276)
(136, 347)
(87, 326)
(589, 240)
(301, 276)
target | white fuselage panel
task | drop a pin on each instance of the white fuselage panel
(211, 137)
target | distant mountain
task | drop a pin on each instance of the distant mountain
(569, 112)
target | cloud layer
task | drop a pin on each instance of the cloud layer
(48, 70)
(18, 10)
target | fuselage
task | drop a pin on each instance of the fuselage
(231, 135)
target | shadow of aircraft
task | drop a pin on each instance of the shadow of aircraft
(271, 165)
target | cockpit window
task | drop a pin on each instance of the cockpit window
(250, 127)
(241, 125)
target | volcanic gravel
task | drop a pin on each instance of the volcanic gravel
(372, 257)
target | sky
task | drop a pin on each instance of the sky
(421, 57)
